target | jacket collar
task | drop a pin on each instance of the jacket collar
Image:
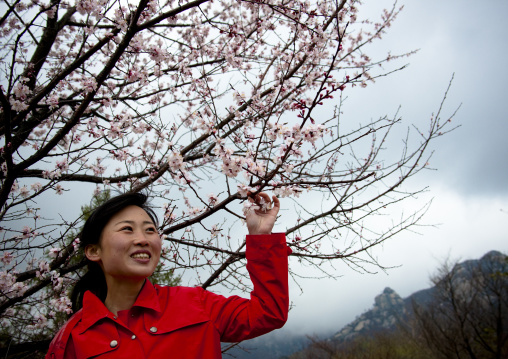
(148, 297)
(95, 310)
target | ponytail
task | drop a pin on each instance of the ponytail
(94, 281)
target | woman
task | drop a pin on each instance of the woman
(123, 315)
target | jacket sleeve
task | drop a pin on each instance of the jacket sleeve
(238, 318)
(62, 347)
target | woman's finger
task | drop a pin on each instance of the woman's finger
(276, 202)
(264, 196)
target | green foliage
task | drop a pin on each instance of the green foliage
(97, 200)
(86, 211)
(164, 276)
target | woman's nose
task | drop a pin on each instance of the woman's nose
(141, 239)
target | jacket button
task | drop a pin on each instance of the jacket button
(113, 343)
(153, 330)
(133, 337)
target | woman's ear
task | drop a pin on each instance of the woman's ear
(92, 252)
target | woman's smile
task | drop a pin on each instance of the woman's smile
(141, 256)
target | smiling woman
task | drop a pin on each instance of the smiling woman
(100, 224)
(128, 252)
(124, 315)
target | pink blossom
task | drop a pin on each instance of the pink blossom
(286, 191)
(288, 168)
(75, 244)
(62, 165)
(170, 217)
(256, 168)
(121, 155)
(244, 190)
(175, 161)
(3, 168)
(231, 166)
(51, 12)
(262, 204)
(91, 7)
(141, 128)
(40, 321)
(44, 266)
(24, 192)
(26, 232)
(89, 84)
(115, 131)
(98, 169)
(17, 105)
(18, 288)
(56, 280)
(53, 252)
(134, 75)
(157, 54)
(9, 312)
(36, 186)
(119, 19)
(214, 231)
(312, 132)
(212, 199)
(21, 6)
(249, 206)
(59, 189)
(52, 174)
(152, 6)
(62, 304)
(21, 91)
(194, 211)
(272, 132)
(7, 280)
(6, 258)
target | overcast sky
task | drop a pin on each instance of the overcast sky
(469, 188)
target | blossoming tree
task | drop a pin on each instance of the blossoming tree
(197, 103)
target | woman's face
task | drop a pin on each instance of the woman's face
(129, 247)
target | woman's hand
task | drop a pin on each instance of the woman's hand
(263, 213)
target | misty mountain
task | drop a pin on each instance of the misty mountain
(391, 312)
(388, 312)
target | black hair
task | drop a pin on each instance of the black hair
(94, 279)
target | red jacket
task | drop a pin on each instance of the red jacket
(182, 322)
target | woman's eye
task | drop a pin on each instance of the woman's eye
(151, 230)
(127, 228)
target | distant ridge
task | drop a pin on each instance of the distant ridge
(389, 311)
(389, 308)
